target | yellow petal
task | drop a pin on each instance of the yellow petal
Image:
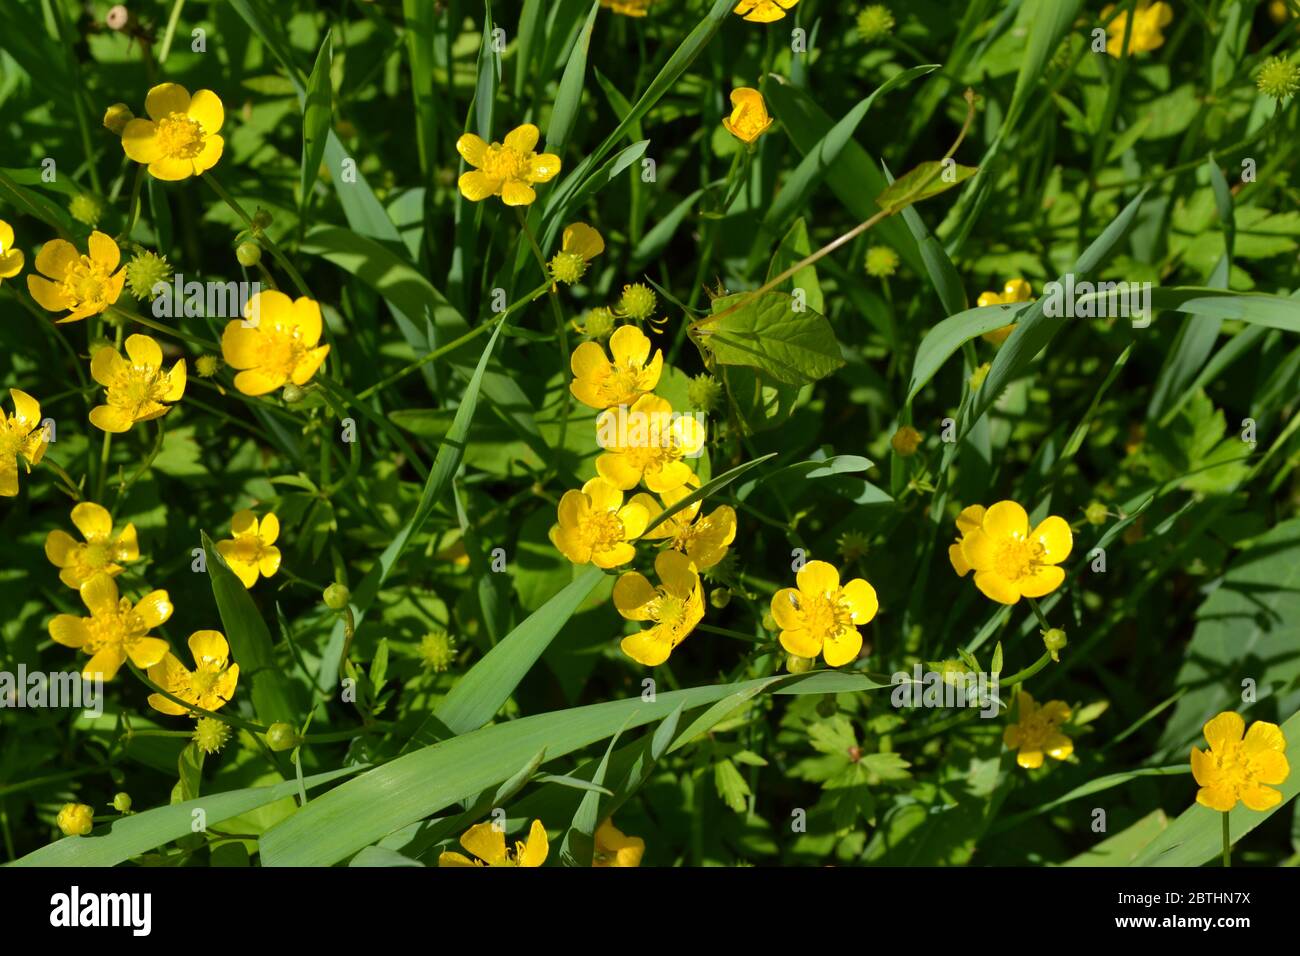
(842, 648)
(92, 520)
(210, 154)
(209, 647)
(958, 560)
(583, 240)
(140, 141)
(268, 529)
(629, 346)
(154, 608)
(99, 594)
(68, 630)
(543, 167)
(241, 346)
(165, 99)
(471, 149)
(862, 601)
(105, 663)
(144, 351)
(1227, 728)
(1264, 736)
(308, 365)
(1043, 581)
(818, 577)
(55, 258)
(110, 418)
(676, 574)
(269, 563)
(259, 381)
(147, 651)
(105, 365)
(486, 842)
(633, 592)
(649, 648)
(801, 643)
(522, 139)
(1216, 799)
(49, 296)
(452, 858)
(785, 610)
(171, 170)
(604, 496)
(517, 193)
(1006, 519)
(996, 587)
(59, 546)
(971, 517)
(474, 186)
(1054, 535)
(536, 847)
(205, 107)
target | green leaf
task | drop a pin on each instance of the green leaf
(704, 491)
(138, 833)
(421, 783)
(489, 77)
(795, 347)
(731, 786)
(1123, 848)
(928, 179)
(568, 97)
(948, 336)
(250, 641)
(317, 117)
(579, 845)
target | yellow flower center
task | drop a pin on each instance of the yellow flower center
(203, 680)
(179, 137)
(119, 626)
(602, 530)
(504, 163)
(1018, 558)
(248, 548)
(86, 281)
(12, 438)
(1036, 729)
(282, 347)
(668, 610)
(568, 266)
(95, 554)
(622, 383)
(826, 615)
(137, 389)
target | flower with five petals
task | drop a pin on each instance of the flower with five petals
(11, 259)
(275, 343)
(179, 140)
(748, 120)
(821, 616)
(601, 383)
(487, 843)
(252, 550)
(1037, 731)
(595, 526)
(1240, 764)
(509, 169)
(675, 607)
(210, 685)
(1009, 560)
(116, 629)
(136, 386)
(100, 553)
(79, 285)
(21, 436)
(763, 11)
(648, 443)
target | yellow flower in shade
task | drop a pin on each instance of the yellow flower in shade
(136, 386)
(101, 552)
(647, 442)
(75, 819)
(628, 8)
(581, 244)
(488, 846)
(275, 343)
(614, 848)
(11, 259)
(21, 435)
(1010, 560)
(179, 140)
(210, 685)
(675, 607)
(1037, 731)
(76, 284)
(1017, 290)
(969, 519)
(748, 120)
(1238, 768)
(703, 540)
(252, 550)
(1148, 22)
(115, 629)
(600, 383)
(595, 526)
(509, 169)
(821, 617)
(763, 11)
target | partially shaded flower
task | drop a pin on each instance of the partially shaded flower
(116, 117)
(210, 685)
(581, 244)
(601, 383)
(11, 259)
(487, 843)
(116, 629)
(79, 285)
(647, 443)
(821, 617)
(1238, 767)
(615, 848)
(1149, 21)
(21, 436)
(509, 169)
(674, 608)
(179, 140)
(749, 119)
(968, 521)
(1016, 290)
(595, 526)
(101, 552)
(704, 540)
(763, 11)
(275, 343)
(252, 550)
(1011, 561)
(136, 387)
(628, 8)
(1037, 731)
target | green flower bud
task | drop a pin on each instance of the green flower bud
(280, 736)
(798, 665)
(720, 597)
(122, 802)
(248, 253)
(1054, 640)
(292, 394)
(211, 735)
(337, 597)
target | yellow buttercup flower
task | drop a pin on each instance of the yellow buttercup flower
(647, 442)
(488, 846)
(100, 553)
(1149, 21)
(821, 617)
(275, 343)
(581, 244)
(11, 259)
(1017, 290)
(1009, 560)
(763, 11)
(21, 435)
(969, 519)
(1238, 768)
(210, 685)
(1037, 731)
(628, 8)
(116, 629)
(704, 541)
(595, 526)
(614, 848)
(75, 819)
(79, 285)
(252, 550)
(179, 140)
(600, 383)
(748, 120)
(675, 607)
(136, 386)
(509, 169)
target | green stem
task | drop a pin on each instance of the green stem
(1227, 842)
(234, 721)
(271, 245)
(1038, 613)
(144, 465)
(1019, 677)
